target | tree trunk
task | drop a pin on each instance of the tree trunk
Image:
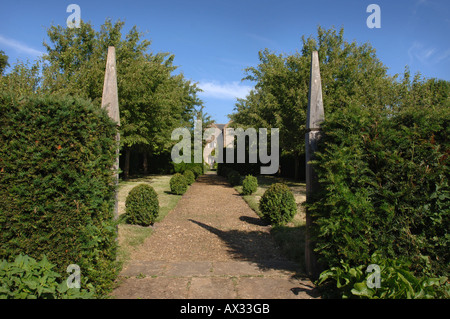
(126, 168)
(145, 163)
(296, 166)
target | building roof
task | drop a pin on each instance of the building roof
(220, 126)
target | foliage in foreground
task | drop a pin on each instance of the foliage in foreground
(396, 282)
(26, 278)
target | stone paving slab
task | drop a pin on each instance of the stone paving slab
(207, 268)
(212, 288)
(152, 288)
(272, 288)
(189, 268)
(137, 268)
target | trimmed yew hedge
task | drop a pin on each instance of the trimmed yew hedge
(56, 185)
(384, 188)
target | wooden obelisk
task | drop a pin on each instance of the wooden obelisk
(314, 117)
(110, 102)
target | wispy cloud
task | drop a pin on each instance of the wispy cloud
(262, 39)
(428, 56)
(19, 47)
(417, 51)
(443, 56)
(225, 91)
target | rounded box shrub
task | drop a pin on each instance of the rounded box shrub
(249, 185)
(197, 170)
(178, 184)
(278, 204)
(233, 178)
(142, 205)
(190, 177)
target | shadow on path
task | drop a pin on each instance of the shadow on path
(254, 246)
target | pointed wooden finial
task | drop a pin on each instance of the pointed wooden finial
(315, 114)
(110, 97)
(110, 102)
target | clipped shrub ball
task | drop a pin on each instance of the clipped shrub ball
(178, 184)
(142, 205)
(189, 175)
(249, 185)
(197, 170)
(278, 204)
(233, 178)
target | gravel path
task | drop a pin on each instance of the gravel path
(212, 245)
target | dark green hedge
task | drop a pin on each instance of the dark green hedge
(56, 185)
(384, 179)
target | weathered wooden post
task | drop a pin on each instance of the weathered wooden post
(110, 102)
(314, 117)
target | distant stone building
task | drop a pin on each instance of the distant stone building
(211, 143)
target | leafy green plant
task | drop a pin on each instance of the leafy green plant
(178, 184)
(26, 278)
(190, 177)
(142, 205)
(233, 178)
(396, 282)
(277, 204)
(249, 185)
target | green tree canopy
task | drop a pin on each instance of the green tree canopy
(351, 73)
(3, 61)
(152, 99)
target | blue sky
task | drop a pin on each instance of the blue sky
(215, 40)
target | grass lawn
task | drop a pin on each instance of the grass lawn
(290, 237)
(131, 236)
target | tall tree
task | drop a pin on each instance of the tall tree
(152, 99)
(23, 79)
(351, 73)
(3, 62)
